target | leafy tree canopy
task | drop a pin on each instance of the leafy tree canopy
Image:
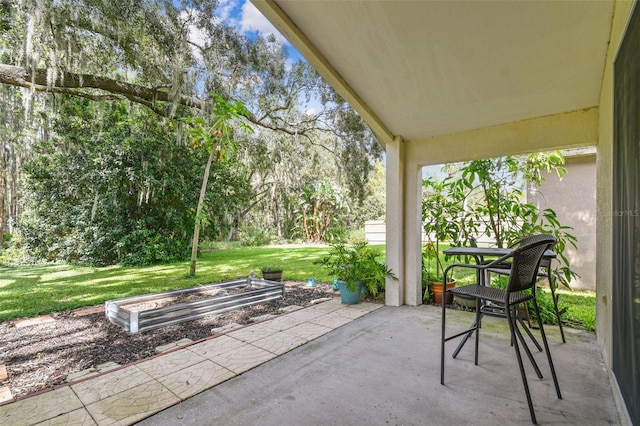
(137, 69)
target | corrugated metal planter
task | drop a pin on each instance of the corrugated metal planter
(139, 313)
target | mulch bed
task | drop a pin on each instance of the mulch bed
(43, 355)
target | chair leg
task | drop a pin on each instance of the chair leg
(531, 336)
(463, 341)
(525, 346)
(512, 327)
(478, 324)
(475, 326)
(546, 349)
(552, 286)
(444, 313)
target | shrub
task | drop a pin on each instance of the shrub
(355, 264)
(355, 236)
(145, 247)
(253, 236)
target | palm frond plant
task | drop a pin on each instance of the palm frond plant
(357, 265)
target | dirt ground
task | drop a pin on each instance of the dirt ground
(42, 355)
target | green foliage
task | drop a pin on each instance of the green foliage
(440, 221)
(579, 308)
(429, 255)
(144, 246)
(319, 204)
(254, 236)
(121, 190)
(357, 264)
(373, 206)
(147, 47)
(355, 236)
(216, 137)
(6, 240)
(486, 197)
(271, 268)
(86, 205)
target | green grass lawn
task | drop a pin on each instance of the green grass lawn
(27, 291)
(580, 305)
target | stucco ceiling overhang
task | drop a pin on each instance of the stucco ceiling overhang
(420, 69)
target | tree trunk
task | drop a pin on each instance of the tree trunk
(3, 190)
(15, 159)
(196, 228)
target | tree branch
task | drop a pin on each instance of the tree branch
(73, 84)
(19, 76)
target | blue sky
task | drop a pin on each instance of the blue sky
(244, 16)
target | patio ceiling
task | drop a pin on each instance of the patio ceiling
(419, 69)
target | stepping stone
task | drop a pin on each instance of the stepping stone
(3, 372)
(89, 311)
(173, 345)
(290, 308)
(107, 366)
(224, 328)
(262, 317)
(34, 321)
(82, 374)
(93, 371)
(5, 394)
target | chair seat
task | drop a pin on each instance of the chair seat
(490, 293)
(501, 271)
(507, 271)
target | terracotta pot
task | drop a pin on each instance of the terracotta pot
(436, 291)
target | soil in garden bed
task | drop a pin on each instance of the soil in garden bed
(40, 356)
(181, 298)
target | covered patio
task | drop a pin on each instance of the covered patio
(335, 364)
(383, 369)
(445, 81)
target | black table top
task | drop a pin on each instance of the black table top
(487, 251)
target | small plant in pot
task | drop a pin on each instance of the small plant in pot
(357, 270)
(440, 213)
(272, 272)
(432, 277)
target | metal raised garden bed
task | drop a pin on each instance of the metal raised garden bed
(139, 313)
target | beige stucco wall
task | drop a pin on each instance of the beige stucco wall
(573, 198)
(604, 170)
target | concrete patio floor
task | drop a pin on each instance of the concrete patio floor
(332, 364)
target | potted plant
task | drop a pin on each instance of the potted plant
(357, 269)
(272, 273)
(440, 221)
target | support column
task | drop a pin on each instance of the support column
(412, 234)
(404, 226)
(394, 292)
